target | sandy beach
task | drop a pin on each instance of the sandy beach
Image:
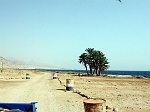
(127, 94)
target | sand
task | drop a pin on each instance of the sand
(127, 94)
(41, 88)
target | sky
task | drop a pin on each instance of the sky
(57, 32)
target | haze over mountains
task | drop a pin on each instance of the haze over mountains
(15, 64)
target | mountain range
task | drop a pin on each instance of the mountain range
(15, 64)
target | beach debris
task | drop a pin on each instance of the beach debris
(119, 95)
(139, 77)
(108, 108)
(115, 109)
(80, 74)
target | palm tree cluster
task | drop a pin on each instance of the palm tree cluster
(95, 60)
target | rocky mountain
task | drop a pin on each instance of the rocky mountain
(6, 63)
(11, 63)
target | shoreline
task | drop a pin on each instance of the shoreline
(108, 72)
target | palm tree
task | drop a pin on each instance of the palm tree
(83, 60)
(95, 60)
(103, 65)
(90, 58)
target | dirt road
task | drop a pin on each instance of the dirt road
(49, 94)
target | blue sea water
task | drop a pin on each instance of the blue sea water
(112, 72)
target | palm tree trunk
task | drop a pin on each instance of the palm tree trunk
(86, 69)
(96, 71)
(90, 70)
(99, 72)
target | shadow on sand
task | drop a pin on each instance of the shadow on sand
(61, 90)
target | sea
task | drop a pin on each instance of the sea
(110, 72)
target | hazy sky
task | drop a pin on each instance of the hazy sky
(56, 32)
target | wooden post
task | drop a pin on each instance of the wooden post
(69, 84)
(94, 105)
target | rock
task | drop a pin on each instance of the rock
(119, 95)
(115, 109)
(108, 108)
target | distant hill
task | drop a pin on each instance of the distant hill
(11, 63)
